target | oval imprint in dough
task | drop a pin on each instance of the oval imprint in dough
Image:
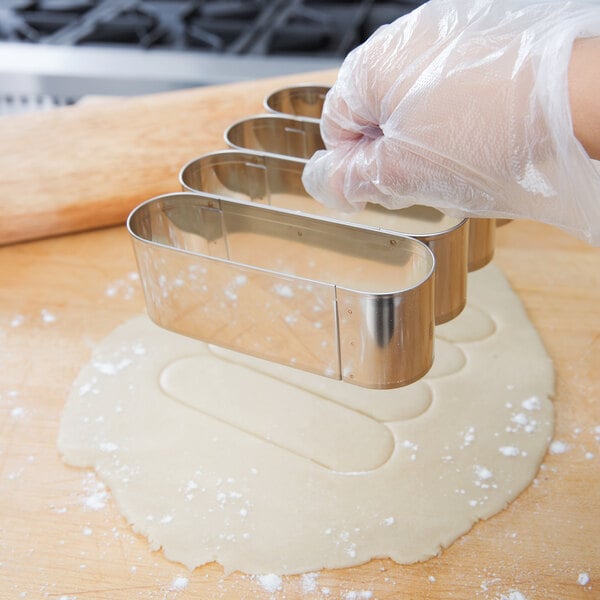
(401, 404)
(472, 325)
(449, 359)
(331, 435)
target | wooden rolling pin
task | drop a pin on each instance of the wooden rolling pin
(87, 166)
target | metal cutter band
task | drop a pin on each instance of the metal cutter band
(277, 181)
(335, 299)
(301, 137)
(298, 100)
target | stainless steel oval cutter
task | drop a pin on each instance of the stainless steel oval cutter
(335, 299)
(277, 181)
(299, 137)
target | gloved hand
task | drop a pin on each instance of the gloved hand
(463, 105)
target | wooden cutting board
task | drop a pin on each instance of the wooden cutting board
(60, 533)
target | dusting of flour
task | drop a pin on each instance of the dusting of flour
(207, 475)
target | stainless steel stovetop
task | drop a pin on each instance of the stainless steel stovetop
(54, 52)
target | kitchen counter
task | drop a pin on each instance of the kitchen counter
(61, 536)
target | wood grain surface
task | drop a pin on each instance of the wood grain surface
(87, 166)
(60, 533)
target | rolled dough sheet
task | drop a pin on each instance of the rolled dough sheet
(215, 456)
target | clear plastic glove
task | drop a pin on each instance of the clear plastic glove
(463, 105)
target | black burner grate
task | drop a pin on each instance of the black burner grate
(255, 27)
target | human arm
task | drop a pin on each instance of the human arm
(584, 93)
